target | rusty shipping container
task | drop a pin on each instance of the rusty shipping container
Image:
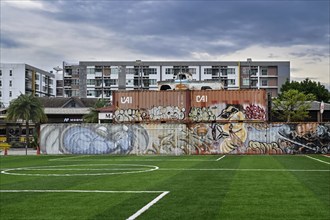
(219, 105)
(148, 105)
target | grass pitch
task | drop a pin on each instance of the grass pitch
(164, 187)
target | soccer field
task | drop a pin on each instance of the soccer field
(165, 187)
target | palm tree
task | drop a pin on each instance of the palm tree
(92, 116)
(27, 108)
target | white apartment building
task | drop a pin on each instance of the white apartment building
(97, 79)
(20, 78)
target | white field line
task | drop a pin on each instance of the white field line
(125, 170)
(232, 169)
(326, 155)
(317, 159)
(146, 207)
(132, 217)
(220, 158)
(74, 191)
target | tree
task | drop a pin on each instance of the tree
(93, 115)
(27, 108)
(292, 105)
(307, 86)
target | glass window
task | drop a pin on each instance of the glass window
(207, 71)
(231, 71)
(90, 70)
(90, 81)
(246, 82)
(264, 82)
(0, 93)
(169, 71)
(10, 73)
(10, 93)
(10, 83)
(264, 71)
(0, 83)
(231, 81)
(152, 71)
(192, 70)
(0, 72)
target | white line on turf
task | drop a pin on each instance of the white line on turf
(232, 169)
(317, 159)
(132, 168)
(146, 207)
(220, 158)
(132, 217)
(74, 191)
(326, 155)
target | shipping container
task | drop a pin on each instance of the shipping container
(190, 105)
(238, 105)
(148, 105)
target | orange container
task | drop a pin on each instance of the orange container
(148, 105)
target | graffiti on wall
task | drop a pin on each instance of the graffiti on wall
(229, 137)
(227, 112)
(92, 139)
(195, 114)
(158, 113)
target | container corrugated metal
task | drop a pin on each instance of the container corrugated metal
(214, 105)
(148, 105)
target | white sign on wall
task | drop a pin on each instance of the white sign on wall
(105, 115)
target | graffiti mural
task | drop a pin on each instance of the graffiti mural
(159, 113)
(228, 137)
(92, 139)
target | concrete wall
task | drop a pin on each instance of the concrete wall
(185, 139)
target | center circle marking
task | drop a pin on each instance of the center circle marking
(127, 169)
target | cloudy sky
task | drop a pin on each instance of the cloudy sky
(46, 33)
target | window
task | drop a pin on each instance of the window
(90, 70)
(10, 94)
(152, 82)
(207, 71)
(0, 83)
(0, 94)
(231, 82)
(10, 83)
(231, 71)
(90, 81)
(10, 73)
(0, 72)
(192, 70)
(246, 82)
(264, 71)
(264, 82)
(152, 71)
(169, 71)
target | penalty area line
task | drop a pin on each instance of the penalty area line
(220, 158)
(146, 207)
(132, 217)
(317, 159)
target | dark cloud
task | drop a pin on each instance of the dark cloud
(244, 23)
(9, 43)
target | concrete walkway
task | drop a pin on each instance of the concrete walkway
(19, 151)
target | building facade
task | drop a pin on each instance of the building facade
(97, 79)
(18, 78)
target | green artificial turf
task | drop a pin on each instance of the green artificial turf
(200, 187)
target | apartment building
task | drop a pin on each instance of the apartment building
(21, 78)
(99, 78)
